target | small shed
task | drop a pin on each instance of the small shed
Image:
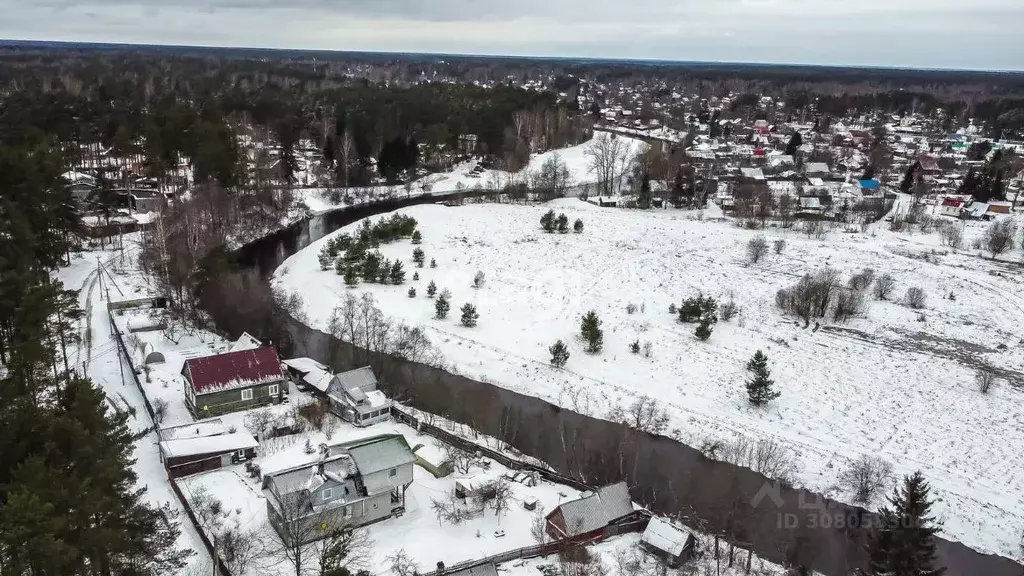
(202, 446)
(669, 541)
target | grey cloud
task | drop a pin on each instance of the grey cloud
(931, 33)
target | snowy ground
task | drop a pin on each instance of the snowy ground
(887, 384)
(118, 280)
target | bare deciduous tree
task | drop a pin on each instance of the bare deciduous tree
(999, 236)
(866, 478)
(257, 421)
(884, 286)
(401, 564)
(460, 460)
(644, 414)
(756, 249)
(985, 378)
(609, 157)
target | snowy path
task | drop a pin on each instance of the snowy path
(104, 364)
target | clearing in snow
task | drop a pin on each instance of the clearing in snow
(895, 382)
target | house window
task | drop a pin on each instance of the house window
(346, 490)
(247, 394)
(374, 505)
(240, 454)
(273, 389)
(328, 492)
(393, 472)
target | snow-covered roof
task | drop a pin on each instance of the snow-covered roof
(379, 453)
(245, 342)
(201, 429)
(596, 509)
(303, 365)
(665, 536)
(219, 444)
(753, 173)
(816, 168)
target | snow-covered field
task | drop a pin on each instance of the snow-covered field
(889, 384)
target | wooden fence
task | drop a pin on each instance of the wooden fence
(401, 415)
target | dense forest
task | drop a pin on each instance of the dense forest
(69, 500)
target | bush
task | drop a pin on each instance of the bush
(648, 349)
(433, 263)
(884, 286)
(559, 354)
(862, 280)
(915, 297)
(630, 308)
(729, 310)
(779, 246)
(952, 234)
(577, 226)
(634, 347)
(812, 296)
(672, 309)
(866, 478)
(999, 236)
(696, 309)
(848, 304)
(756, 249)
(478, 280)
(985, 378)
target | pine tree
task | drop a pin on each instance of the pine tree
(469, 315)
(431, 289)
(902, 542)
(703, 330)
(577, 226)
(415, 276)
(372, 264)
(350, 276)
(417, 237)
(559, 354)
(433, 263)
(412, 292)
(643, 198)
(634, 347)
(384, 272)
(547, 221)
(562, 224)
(397, 273)
(795, 141)
(418, 256)
(759, 388)
(590, 330)
(441, 307)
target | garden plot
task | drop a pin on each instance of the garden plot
(418, 532)
(896, 382)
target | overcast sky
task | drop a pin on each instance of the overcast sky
(979, 34)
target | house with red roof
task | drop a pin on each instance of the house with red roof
(233, 381)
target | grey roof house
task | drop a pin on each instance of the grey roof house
(355, 398)
(587, 517)
(354, 483)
